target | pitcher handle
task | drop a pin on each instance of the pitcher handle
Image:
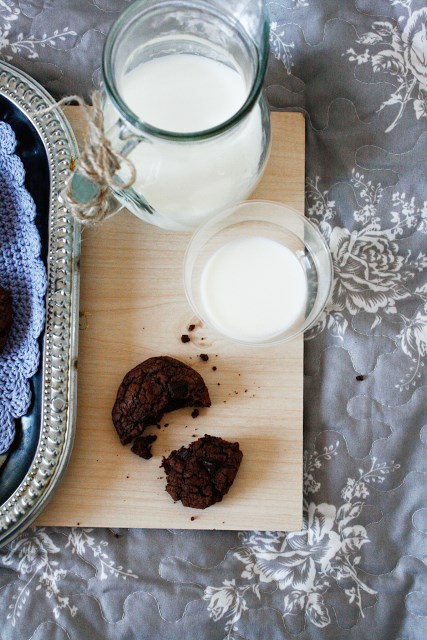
(84, 191)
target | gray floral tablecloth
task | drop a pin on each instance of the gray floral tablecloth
(358, 70)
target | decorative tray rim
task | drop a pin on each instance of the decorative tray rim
(60, 342)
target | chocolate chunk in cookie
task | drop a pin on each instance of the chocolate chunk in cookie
(202, 473)
(5, 316)
(153, 388)
(142, 446)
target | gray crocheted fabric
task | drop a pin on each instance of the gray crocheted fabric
(23, 274)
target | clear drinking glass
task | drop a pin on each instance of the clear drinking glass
(275, 222)
(183, 177)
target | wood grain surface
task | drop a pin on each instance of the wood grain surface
(133, 307)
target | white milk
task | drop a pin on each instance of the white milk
(254, 288)
(185, 93)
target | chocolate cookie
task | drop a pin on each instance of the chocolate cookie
(202, 473)
(142, 446)
(5, 316)
(153, 388)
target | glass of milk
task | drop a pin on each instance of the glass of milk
(183, 100)
(258, 273)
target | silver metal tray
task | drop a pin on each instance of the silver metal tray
(44, 441)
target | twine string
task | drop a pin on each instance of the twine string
(98, 162)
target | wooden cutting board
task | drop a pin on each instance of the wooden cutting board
(133, 307)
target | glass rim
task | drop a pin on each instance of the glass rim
(228, 213)
(139, 124)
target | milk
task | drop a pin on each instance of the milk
(185, 182)
(184, 93)
(253, 289)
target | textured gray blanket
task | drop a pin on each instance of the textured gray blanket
(358, 70)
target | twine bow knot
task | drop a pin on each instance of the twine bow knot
(98, 162)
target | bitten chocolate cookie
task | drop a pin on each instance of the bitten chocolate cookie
(202, 473)
(153, 388)
(5, 316)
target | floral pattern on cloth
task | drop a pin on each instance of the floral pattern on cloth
(370, 275)
(304, 565)
(400, 51)
(35, 553)
(25, 45)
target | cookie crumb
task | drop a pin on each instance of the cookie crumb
(219, 384)
(191, 327)
(204, 357)
(213, 368)
(360, 378)
(142, 447)
(185, 338)
(192, 518)
(246, 390)
(195, 413)
(166, 425)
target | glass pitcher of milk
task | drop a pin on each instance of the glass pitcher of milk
(183, 101)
